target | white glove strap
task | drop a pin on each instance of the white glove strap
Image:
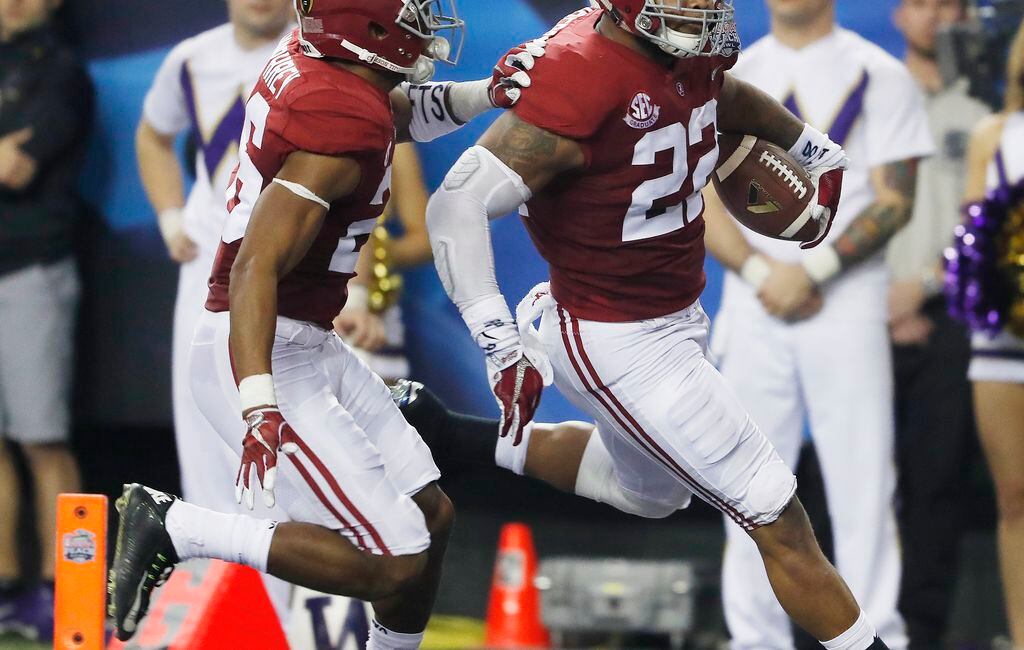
(814, 150)
(257, 390)
(755, 271)
(822, 264)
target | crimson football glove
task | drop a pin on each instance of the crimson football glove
(828, 184)
(517, 387)
(510, 76)
(267, 434)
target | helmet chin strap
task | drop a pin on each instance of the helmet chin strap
(420, 72)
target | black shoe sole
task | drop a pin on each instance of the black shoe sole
(141, 560)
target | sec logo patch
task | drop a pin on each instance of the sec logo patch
(642, 112)
(307, 6)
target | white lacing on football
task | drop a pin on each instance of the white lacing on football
(785, 172)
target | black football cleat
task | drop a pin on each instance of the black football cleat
(144, 556)
(421, 408)
(424, 411)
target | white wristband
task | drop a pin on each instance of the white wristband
(491, 315)
(257, 390)
(822, 264)
(470, 98)
(755, 271)
(815, 150)
(171, 222)
(358, 297)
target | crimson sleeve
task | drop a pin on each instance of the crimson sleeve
(565, 96)
(322, 123)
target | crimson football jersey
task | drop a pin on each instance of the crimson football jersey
(304, 104)
(624, 235)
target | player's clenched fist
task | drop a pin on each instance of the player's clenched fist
(517, 388)
(829, 187)
(267, 433)
(510, 74)
(825, 161)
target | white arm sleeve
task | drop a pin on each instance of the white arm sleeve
(441, 107)
(479, 187)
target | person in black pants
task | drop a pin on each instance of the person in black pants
(45, 110)
(934, 436)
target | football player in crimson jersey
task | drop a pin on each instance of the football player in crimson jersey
(367, 518)
(607, 153)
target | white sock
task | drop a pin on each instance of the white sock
(198, 532)
(859, 637)
(513, 458)
(381, 638)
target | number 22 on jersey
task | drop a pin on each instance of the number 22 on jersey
(669, 203)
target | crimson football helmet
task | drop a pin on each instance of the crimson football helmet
(403, 36)
(713, 30)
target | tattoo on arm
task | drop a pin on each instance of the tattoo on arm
(535, 154)
(876, 225)
(518, 143)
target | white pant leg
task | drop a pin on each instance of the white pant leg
(847, 371)
(651, 389)
(760, 366)
(407, 459)
(338, 478)
(207, 465)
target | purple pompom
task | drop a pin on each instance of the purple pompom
(978, 290)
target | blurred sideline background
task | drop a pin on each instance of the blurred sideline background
(122, 405)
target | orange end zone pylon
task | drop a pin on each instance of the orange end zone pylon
(513, 612)
(81, 569)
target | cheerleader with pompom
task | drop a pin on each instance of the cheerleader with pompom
(985, 287)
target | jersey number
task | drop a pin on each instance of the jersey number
(668, 203)
(247, 183)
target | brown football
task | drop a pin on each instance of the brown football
(764, 188)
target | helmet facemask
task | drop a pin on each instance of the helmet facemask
(708, 32)
(437, 22)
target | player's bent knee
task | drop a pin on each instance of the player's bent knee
(648, 509)
(396, 574)
(770, 492)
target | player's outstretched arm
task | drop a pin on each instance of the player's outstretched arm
(512, 160)
(425, 112)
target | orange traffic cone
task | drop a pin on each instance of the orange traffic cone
(513, 613)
